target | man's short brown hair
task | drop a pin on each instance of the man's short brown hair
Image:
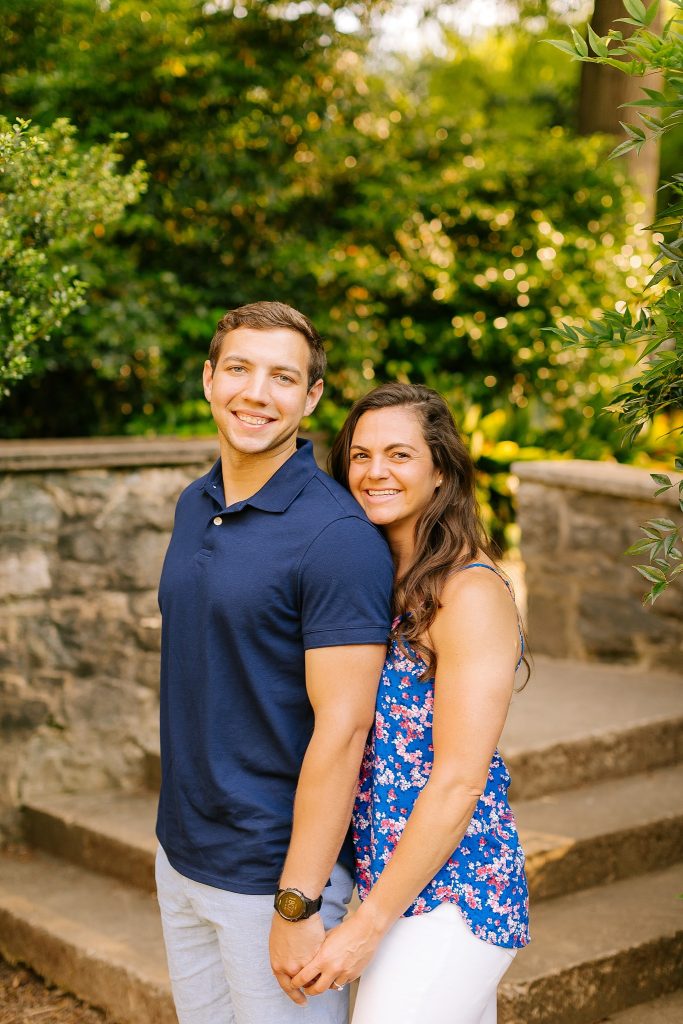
(264, 316)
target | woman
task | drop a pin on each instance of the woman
(439, 868)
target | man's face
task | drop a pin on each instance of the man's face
(259, 390)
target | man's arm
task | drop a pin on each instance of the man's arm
(342, 686)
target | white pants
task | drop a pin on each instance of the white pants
(431, 969)
(217, 951)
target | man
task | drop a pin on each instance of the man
(275, 601)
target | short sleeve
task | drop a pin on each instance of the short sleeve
(345, 584)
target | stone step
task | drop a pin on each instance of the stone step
(598, 952)
(573, 840)
(667, 1010)
(88, 934)
(598, 834)
(593, 953)
(112, 833)
(576, 723)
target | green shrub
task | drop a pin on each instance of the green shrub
(652, 321)
(429, 237)
(54, 198)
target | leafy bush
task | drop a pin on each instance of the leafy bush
(428, 239)
(227, 105)
(654, 320)
(53, 197)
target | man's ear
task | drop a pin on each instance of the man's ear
(313, 397)
(207, 379)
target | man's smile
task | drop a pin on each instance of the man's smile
(251, 420)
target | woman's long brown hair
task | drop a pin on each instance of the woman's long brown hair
(449, 533)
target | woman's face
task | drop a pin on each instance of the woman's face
(391, 472)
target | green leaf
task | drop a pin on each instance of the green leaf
(639, 547)
(653, 123)
(630, 21)
(670, 548)
(656, 591)
(663, 272)
(623, 148)
(636, 8)
(661, 478)
(598, 45)
(651, 574)
(580, 43)
(653, 94)
(560, 44)
(633, 131)
(651, 12)
(652, 346)
(662, 524)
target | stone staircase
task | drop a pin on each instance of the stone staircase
(596, 755)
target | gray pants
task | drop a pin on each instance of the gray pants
(217, 950)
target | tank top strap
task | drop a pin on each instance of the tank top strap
(492, 568)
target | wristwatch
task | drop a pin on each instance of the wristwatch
(292, 905)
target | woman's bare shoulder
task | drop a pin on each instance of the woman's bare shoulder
(475, 597)
(480, 575)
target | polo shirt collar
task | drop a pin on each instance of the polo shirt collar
(278, 493)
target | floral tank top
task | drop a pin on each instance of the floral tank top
(484, 877)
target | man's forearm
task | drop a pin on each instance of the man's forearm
(323, 805)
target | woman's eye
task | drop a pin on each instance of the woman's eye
(401, 455)
(358, 456)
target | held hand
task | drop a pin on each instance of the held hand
(345, 954)
(292, 945)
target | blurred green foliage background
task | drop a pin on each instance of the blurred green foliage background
(432, 216)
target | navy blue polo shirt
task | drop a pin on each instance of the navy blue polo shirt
(244, 592)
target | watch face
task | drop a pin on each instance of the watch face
(291, 904)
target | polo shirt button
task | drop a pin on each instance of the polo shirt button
(217, 521)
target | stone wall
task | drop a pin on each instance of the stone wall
(84, 529)
(84, 526)
(584, 597)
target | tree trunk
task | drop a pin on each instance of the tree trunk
(603, 90)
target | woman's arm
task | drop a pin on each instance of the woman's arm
(476, 640)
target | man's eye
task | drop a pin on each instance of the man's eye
(284, 379)
(236, 369)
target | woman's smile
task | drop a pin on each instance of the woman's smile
(384, 493)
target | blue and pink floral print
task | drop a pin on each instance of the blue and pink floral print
(484, 877)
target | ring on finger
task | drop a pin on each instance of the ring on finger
(336, 987)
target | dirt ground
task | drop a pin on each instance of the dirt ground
(27, 999)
